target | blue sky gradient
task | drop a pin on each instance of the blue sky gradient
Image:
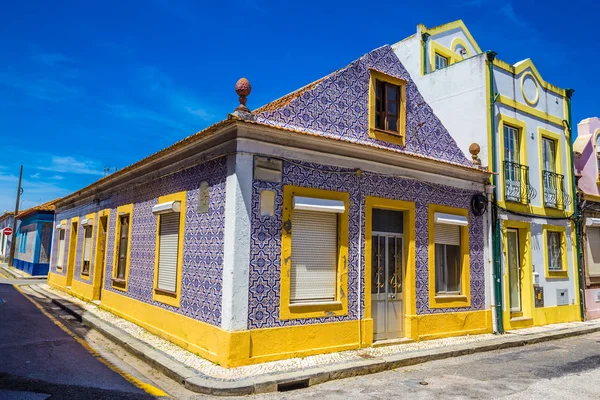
(89, 85)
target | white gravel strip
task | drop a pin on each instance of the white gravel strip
(210, 369)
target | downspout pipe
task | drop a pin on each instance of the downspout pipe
(425, 39)
(496, 248)
(576, 216)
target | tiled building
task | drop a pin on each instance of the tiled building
(586, 154)
(6, 221)
(522, 124)
(338, 215)
(34, 238)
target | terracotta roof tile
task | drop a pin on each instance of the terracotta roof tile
(49, 206)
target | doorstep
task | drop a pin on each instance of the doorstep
(200, 375)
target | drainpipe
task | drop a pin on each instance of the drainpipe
(496, 248)
(425, 38)
(489, 190)
(568, 122)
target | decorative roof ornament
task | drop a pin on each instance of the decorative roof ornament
(243, 89)
(474, 149)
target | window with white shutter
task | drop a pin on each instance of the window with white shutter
(61, 249)
(314, 256)
(87, 249)
(168, 249)
(447, 258)
(593, 251)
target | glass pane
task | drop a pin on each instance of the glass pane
(453, 268)
(511, 144)
(387, 221)
(554, 251)
(378, 105)
(392, 123)
(440, 271)
(378, 265)
(394, 265)
(392, 92)
(379, 121)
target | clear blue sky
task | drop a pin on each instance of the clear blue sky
(89, 84)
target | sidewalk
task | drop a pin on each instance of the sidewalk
(15, 273)
(202, 376)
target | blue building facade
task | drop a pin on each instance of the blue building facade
(34, 239)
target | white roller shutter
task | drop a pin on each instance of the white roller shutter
(446, 234)
(87, 249)
(314, 256)
(61, 248)
(593, 251)
(168, 249)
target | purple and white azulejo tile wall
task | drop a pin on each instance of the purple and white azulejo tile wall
(202, 269)
(265, 251)
(337, 107)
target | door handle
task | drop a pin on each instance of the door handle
(392, 296)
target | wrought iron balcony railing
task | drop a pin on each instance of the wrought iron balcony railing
(516, 183)
(554, 190)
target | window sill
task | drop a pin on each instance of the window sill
(313, 310)
(166, 297)
(120, 284)
(387, 136)
(441, 300)
(324, 304)
(450, 297)
(557, 274)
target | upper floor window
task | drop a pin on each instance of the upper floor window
(549, 155)
(61, 249)
(440, 61)
(598, 152)
(511, 144)
(387, 108)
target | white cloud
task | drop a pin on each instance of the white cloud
(35, 176)
(34, 192)
(57, 177)
(72, 165)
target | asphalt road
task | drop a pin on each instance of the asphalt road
(562, 370)
(39, 360)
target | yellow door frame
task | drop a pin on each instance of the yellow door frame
(525, 318)
(71, 258)
(100, 255)
(409, 289)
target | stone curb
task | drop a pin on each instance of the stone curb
(271, 382)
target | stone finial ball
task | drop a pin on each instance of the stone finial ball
(243, 87)
(474, 149)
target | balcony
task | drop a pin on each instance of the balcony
(516, 183)
(554, 190)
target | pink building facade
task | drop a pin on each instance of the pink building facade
(586, 151)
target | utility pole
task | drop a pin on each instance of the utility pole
(13, 242)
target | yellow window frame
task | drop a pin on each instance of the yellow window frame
(72, 251)
(98, 261)
(163, 296)
(464, 298)
(521, 127)
(459, 42)
(119, 284)
(83, 276)
(564, 272)
(436, 48)
(595, 137)
(337, 307)
(383, 135)
(66, 252)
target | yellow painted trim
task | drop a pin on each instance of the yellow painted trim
(127, 209)
(409, 280)
(99, 261)
(489, 121)
(525, 249)
(443, 325)
(595, 140)
(528, 64)
(57, 280)
(61, 266)
(564, 273)
(81, 274)
(72, 251)
(522, 129)
(537, 89)
(530, 110)
(436, 48)
(455, 43)
(340, 305)
(464, 298)
(591, 197)
(158, 296)
(385, 136)
(82, 290)
(458, 24)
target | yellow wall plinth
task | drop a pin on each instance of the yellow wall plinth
(545, 316)
(435, 326)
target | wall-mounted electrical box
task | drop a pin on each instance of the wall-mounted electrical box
(562, 297)
(538, 292)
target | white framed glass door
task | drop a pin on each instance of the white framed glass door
(515, 273)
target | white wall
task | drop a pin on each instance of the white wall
(456, 94)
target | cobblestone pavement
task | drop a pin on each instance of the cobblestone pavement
(562, 369)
